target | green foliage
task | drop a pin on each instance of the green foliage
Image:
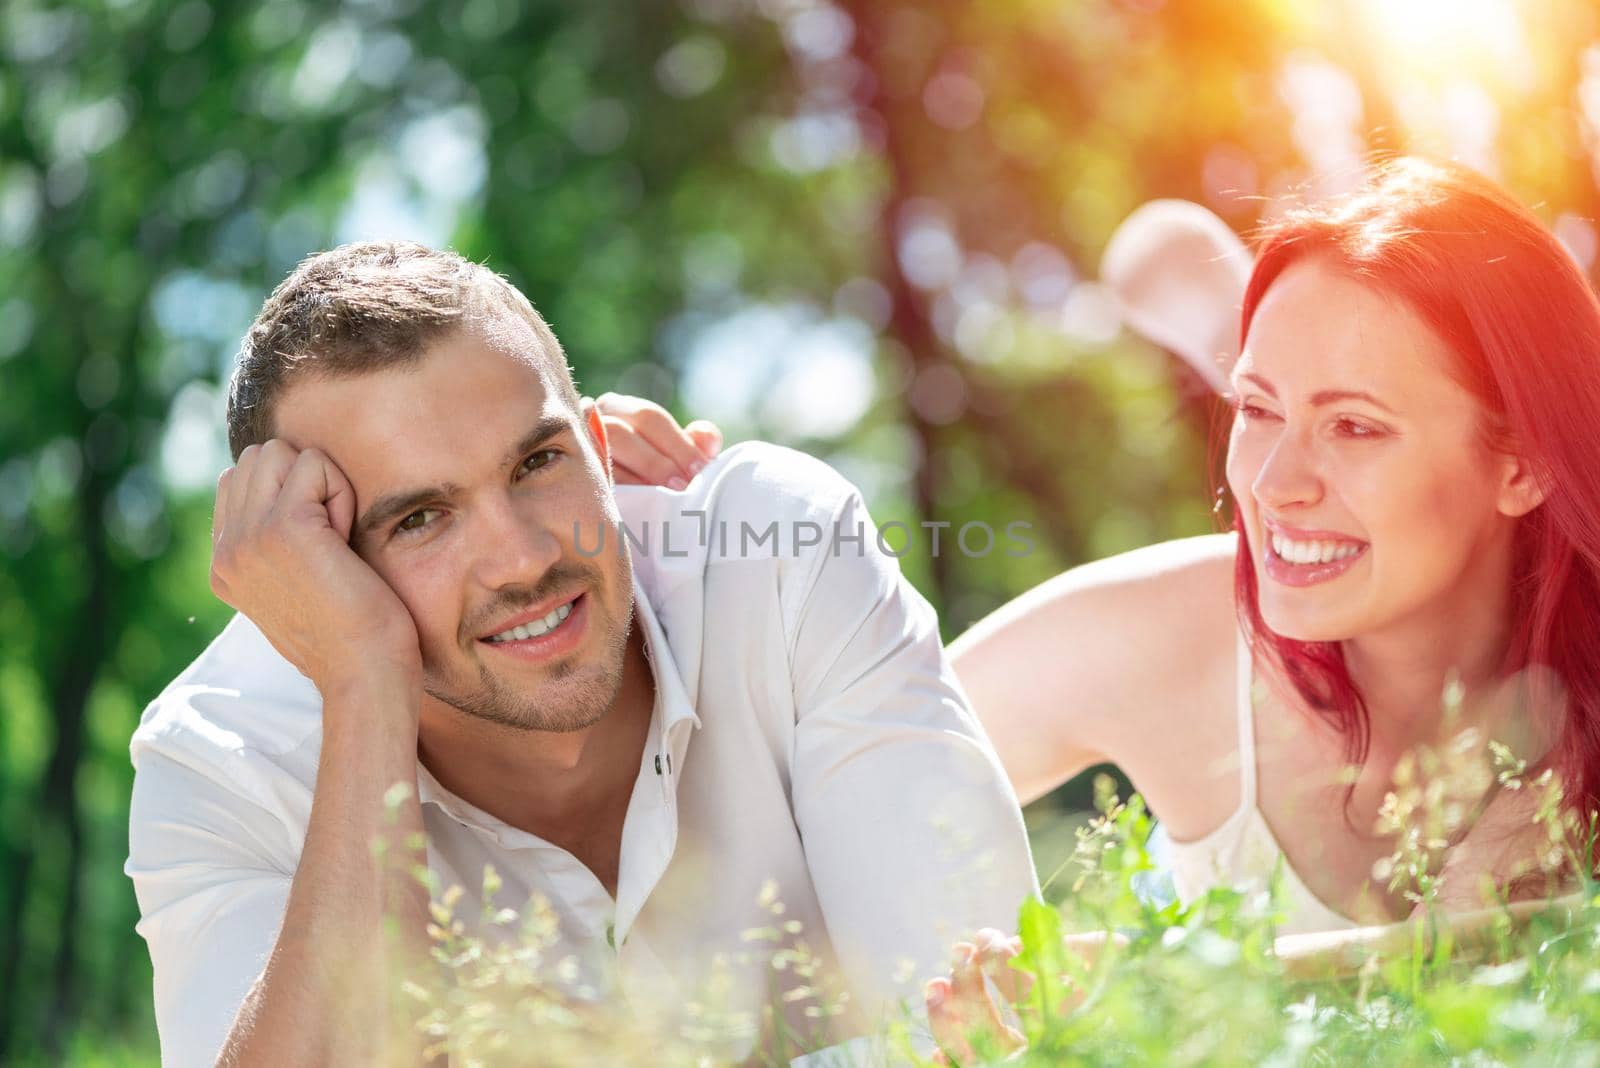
(1117, 978)
(1199, 984)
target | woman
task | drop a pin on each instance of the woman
(1413, 463)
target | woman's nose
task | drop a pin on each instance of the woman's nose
(1288, 475)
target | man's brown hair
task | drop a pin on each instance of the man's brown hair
(365, 307)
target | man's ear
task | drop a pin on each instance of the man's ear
(597, 435)
(1522, 488)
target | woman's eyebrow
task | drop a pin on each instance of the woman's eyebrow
(1331, 396)
(1322, 396)
(1265, 386)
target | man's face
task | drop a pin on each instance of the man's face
(473, 479)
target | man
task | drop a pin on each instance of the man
(447, 637)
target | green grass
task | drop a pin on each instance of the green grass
(1194, 984)
(86, 1050)
(1200, 984)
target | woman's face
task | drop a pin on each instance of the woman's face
(1358, 465)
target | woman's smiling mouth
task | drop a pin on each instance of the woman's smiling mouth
(1305, 558)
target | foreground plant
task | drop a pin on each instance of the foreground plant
(1209, 983)
(1119, 976)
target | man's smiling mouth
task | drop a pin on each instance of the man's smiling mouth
(537, 629)
(527, 627)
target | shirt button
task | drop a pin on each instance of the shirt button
(611, 935)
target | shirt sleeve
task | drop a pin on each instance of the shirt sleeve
(210, 900)
(911, 829)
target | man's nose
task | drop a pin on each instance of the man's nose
(1289, 474)
(513, 546)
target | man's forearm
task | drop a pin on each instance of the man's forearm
(323, 996)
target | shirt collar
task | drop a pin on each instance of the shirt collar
(672, 700)
(672, 710)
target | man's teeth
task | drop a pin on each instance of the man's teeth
(1312, 552)
(535, 629)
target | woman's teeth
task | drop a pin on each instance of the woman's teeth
(535, 629)
(1312, 552)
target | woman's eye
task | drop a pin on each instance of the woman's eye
(1250, 411)
(416, 520)
(1351, 428)
(542, 458)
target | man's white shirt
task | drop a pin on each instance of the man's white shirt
(809, 743)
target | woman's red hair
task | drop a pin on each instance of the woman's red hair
(1524, 324)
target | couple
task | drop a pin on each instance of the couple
(649, 740)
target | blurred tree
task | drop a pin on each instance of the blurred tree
(133, 182)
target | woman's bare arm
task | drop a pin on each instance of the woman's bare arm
(1330, 955)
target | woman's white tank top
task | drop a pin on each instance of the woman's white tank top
(1243, 853)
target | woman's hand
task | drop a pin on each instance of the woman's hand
(649, 448)
(963, 1005)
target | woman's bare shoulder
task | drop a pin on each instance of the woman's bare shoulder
(1083, 666)
(1162, 586)
(1171, 607)
(1201, 565)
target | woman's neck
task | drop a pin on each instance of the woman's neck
(1403, 669)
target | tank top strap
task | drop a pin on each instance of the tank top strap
(1244, 676)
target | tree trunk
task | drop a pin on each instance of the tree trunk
(908, 318)
(84, 643)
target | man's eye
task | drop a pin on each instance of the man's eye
(416, 520)
(542, 458)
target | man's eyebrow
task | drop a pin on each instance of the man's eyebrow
(1322, 397)
(392, 506)
(545, 429)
